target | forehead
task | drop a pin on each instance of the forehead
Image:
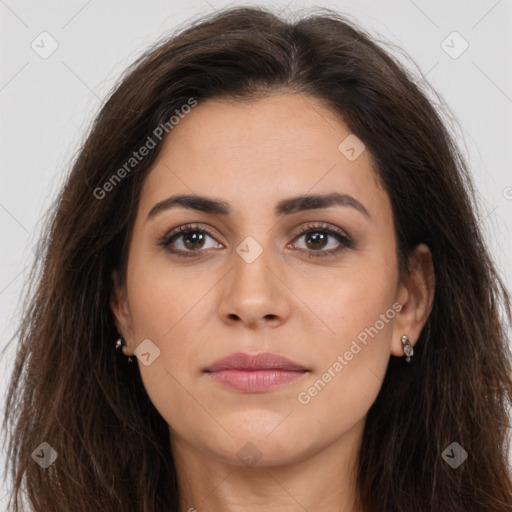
(260, 151)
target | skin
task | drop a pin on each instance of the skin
(196, 310)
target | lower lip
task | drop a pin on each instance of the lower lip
(255, 381)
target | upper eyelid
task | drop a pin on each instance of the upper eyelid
(321, 225)
(301, 230)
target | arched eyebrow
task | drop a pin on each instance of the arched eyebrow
(283, 207)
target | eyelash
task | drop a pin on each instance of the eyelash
(345, 241)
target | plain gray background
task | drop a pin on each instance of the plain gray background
(47, 103)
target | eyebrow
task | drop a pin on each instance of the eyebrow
(284, 207)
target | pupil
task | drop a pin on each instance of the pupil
(198, 240)
(318, 238)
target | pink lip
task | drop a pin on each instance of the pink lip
(255, 373)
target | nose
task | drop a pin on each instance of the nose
(254, 294)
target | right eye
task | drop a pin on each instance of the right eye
(191, 238)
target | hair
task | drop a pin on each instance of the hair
(72, 389)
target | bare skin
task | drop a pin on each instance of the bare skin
(304, 445)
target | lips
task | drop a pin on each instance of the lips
(255, 373)
(262, 361)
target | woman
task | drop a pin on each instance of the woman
(264, 287)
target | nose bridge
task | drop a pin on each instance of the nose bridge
(254, 292)
(251, 276)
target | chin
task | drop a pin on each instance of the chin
(266, 443)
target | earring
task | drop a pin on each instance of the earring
(408, 350)
(121, 343)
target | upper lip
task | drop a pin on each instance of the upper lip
(261, 361)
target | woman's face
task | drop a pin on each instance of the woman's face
(246, 280)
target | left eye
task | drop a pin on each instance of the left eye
(317, 240)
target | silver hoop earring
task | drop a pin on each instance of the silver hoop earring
(408, 350)
(121, 343)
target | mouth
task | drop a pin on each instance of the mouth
(255, 373)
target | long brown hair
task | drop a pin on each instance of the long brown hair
(71, 389)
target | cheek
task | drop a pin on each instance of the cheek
(351, 365)
(163, 298)
(345, 301)
(336, 401)
(167, 307)
(352, 358)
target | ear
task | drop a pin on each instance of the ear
(121, 312)
(415, 296)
